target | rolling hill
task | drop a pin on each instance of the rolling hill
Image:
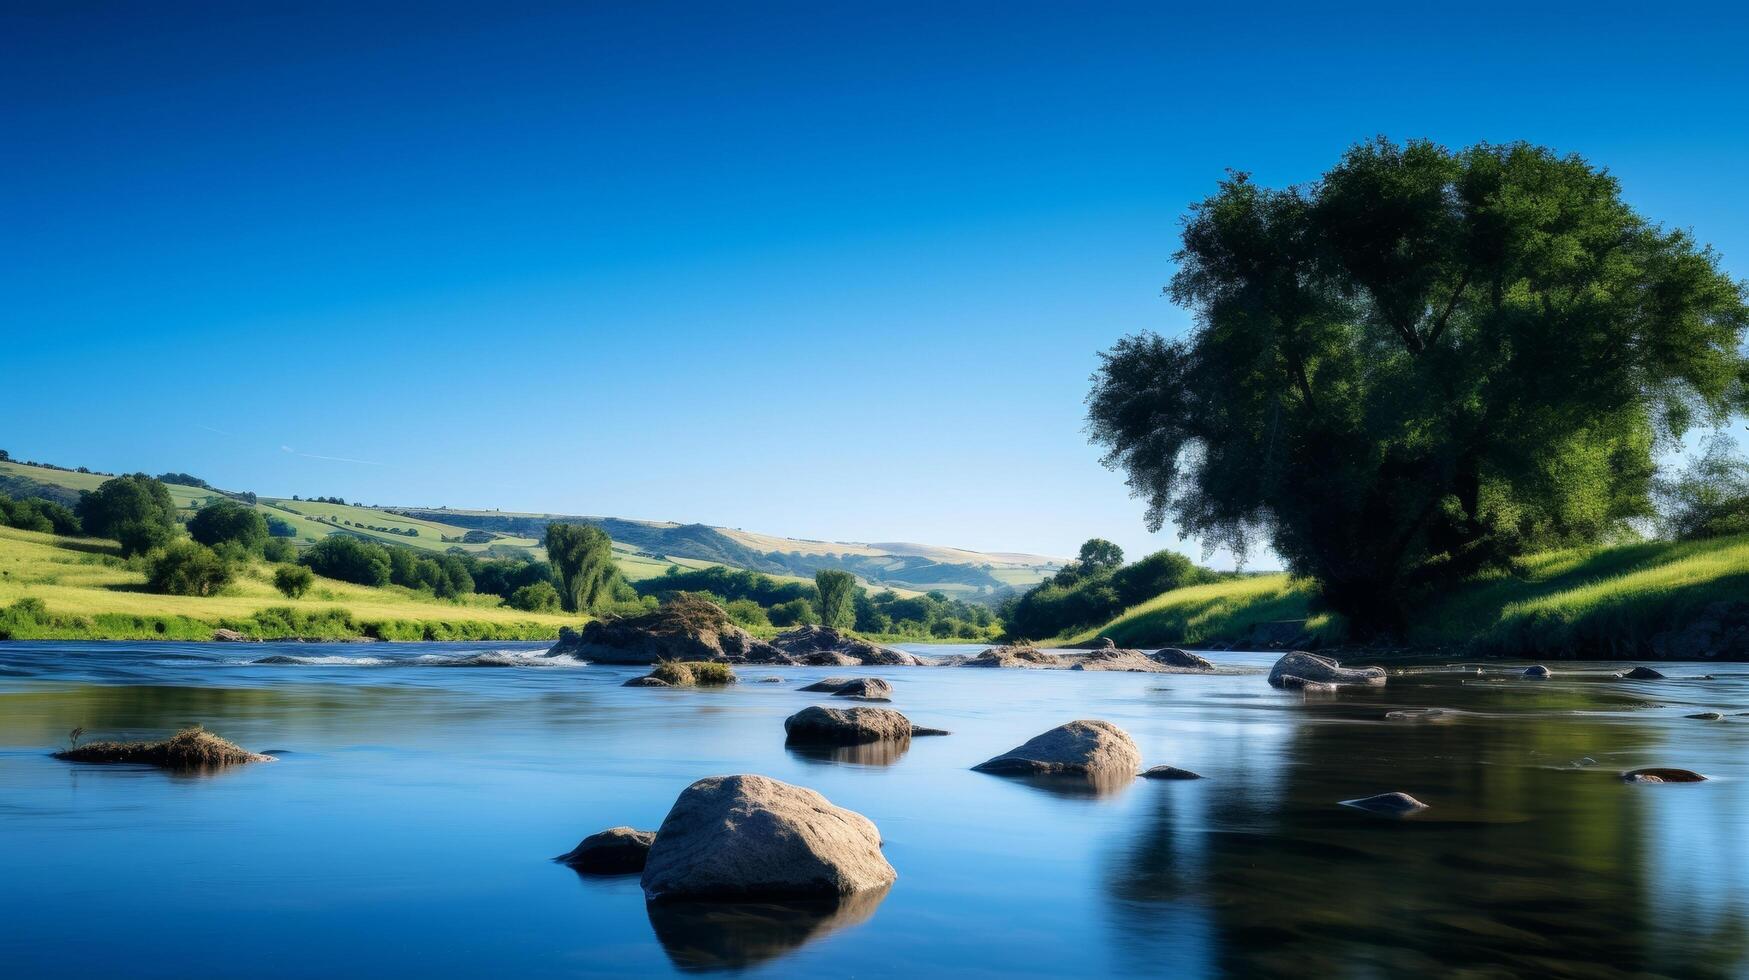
(643, 548)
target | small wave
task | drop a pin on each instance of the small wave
(486, 658)
(285, 660)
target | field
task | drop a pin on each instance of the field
(1598, 602)
(88, 591)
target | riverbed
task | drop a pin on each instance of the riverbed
(422, 789)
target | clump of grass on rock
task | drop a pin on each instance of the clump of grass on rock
(191, 748)
(697, 673)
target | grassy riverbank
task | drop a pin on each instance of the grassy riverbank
(1585, 602)
(79, 588)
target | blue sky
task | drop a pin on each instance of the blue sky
(822, 270)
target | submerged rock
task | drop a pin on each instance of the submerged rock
(1420, 714)
(1174, 657)
(1323, 670)
(845, 726)
(1293, 683)
(771, 680)
(918, 731)
(1170, 772)
(1080, 748)
(229, 636)
(1393, 804)
(614, 851)
(685, 628)
(1537, 673)
(749, 838)
(189, 749)
(1131, 661)
(1661, 775)
(1643, 674)
(646, 682)
(827, 658)
(861, 688)
(809, 642)
(1706, 716)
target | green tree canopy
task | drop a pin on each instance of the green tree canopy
(837, 597)
(228, 521)
(136, 510)
(1098, 554)
(1423, 364)
(186, 568)
(582, 558)
(349, 559)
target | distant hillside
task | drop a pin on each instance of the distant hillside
(643, 548)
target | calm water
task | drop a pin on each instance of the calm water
(408, 826)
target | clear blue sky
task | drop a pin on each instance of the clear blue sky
(823, 270)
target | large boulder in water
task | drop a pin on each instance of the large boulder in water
(684, 628)
(1322, 670)
(1081, 748)
(819, 725)
(1112, 658)
(861, 688)
(1183, 659)
(807, 643)
(750, 838)
(614, 851)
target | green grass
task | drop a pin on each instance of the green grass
(1590, 602)
(81, 589)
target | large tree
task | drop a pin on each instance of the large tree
(227, 520)
(837, 595)
(1421, 365)
(136, 510)
(582, 558)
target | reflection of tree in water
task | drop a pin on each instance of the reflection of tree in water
(1518, 866)
(707, 936)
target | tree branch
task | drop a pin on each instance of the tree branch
(1439, 325)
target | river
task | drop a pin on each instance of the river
(422, 789)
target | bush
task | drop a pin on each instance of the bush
(693, 673)
(225, 521)
(31, 514)
(796, 612)
(124, 503)
(187, 568)
(140, 537)
(293, 580)
(349, 559)
(539, 597)
(746, 612)
(278, 550)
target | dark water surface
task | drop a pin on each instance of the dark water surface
(408, 825)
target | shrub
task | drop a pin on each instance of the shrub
(278, 550)
(124, 503)
(225, 521)
(539, 597)
(796, 612)
(293, 580)
(349, 559)
(746, 612)
(140, 537)
(187, 568)
(693, 673)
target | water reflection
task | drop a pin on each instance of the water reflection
(704, 937)
(1092, 786)
(882, 753)
(1518, 866)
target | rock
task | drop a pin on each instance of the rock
(686, 628)
(614, 851)
(861, 688)
(1170, 772)
(845, 726)
(828, 658)
(646, 682)
(229, 636)
(771, 680)
(1420, 714)
(189, 749)
(1174, 657)
(1394, 804)
(748, 838)
(1323, 670)
(1082, 748)
(1658, 775)
(1016, 656)
(1293, 683)
(918, 731)
(1643, 674)
(1706, 716)
(806, 641)
(1537, 673)
(1131, 661)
